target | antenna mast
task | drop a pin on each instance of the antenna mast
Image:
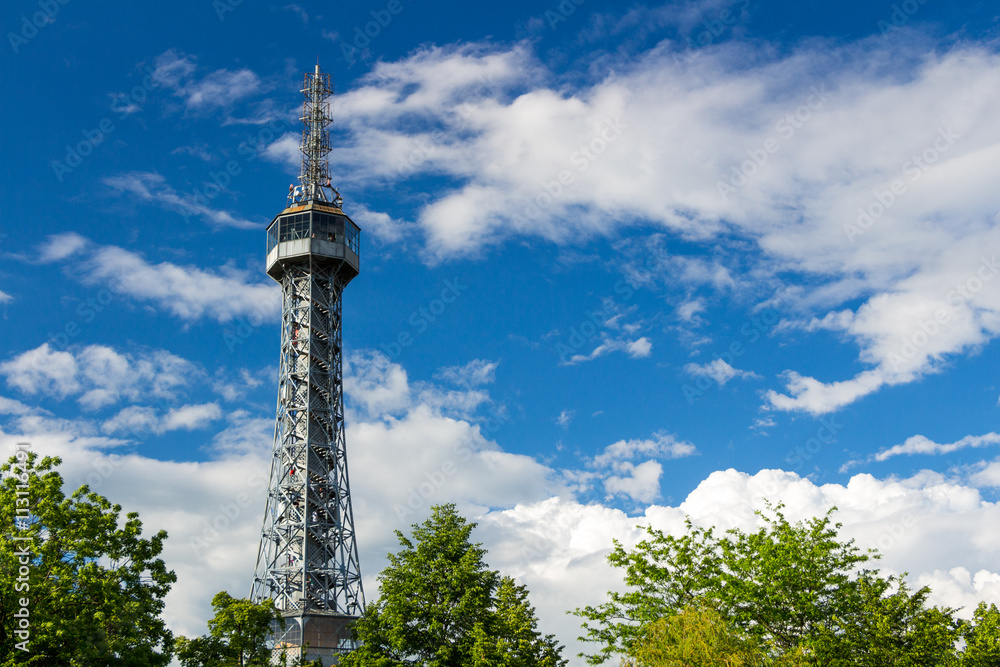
(314, 174)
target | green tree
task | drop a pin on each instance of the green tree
(887, 626)
(95, 588)
(441, 606)
(797, 591)
(237, 636)
(697, 636)
(982, 638)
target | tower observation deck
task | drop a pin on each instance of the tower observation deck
(308, 557)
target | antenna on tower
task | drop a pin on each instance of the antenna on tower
(314, 174)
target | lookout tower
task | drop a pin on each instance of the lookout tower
(308, 557)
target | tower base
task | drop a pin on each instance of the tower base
(312, 636)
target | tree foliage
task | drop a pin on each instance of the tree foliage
(95, 587)
(697, 636)
(237, 635)
(796, 592)
(982, 638)
(441, 606)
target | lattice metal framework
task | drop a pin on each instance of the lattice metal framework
(308, 557)
(315, 144)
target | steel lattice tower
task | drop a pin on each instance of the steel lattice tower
(308, 557)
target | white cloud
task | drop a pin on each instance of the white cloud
(221, 88)
(689, 310)
(8, 406)
(642, 483)
(987, 476)
(719, 370)
(638, 481)
(473, 374)
(533, 528)
(379, 385)
(200, 152)
(98, 375)
(919, 444)
(187, 292)
(508, 130)
(136, 419)
(285, 149)
(816, 398)
(932, 529)
(637, 349)
(381, 225)
(60, 246)
(641, 347)
(662, 446)
(151, 186)
(565, 417)
(960, 589)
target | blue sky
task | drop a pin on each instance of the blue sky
(696, 254)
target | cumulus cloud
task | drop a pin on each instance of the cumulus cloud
(718, 370)
(641, 482)
(530, 522)
(98, 375)
(638, 481)
(937, 531)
